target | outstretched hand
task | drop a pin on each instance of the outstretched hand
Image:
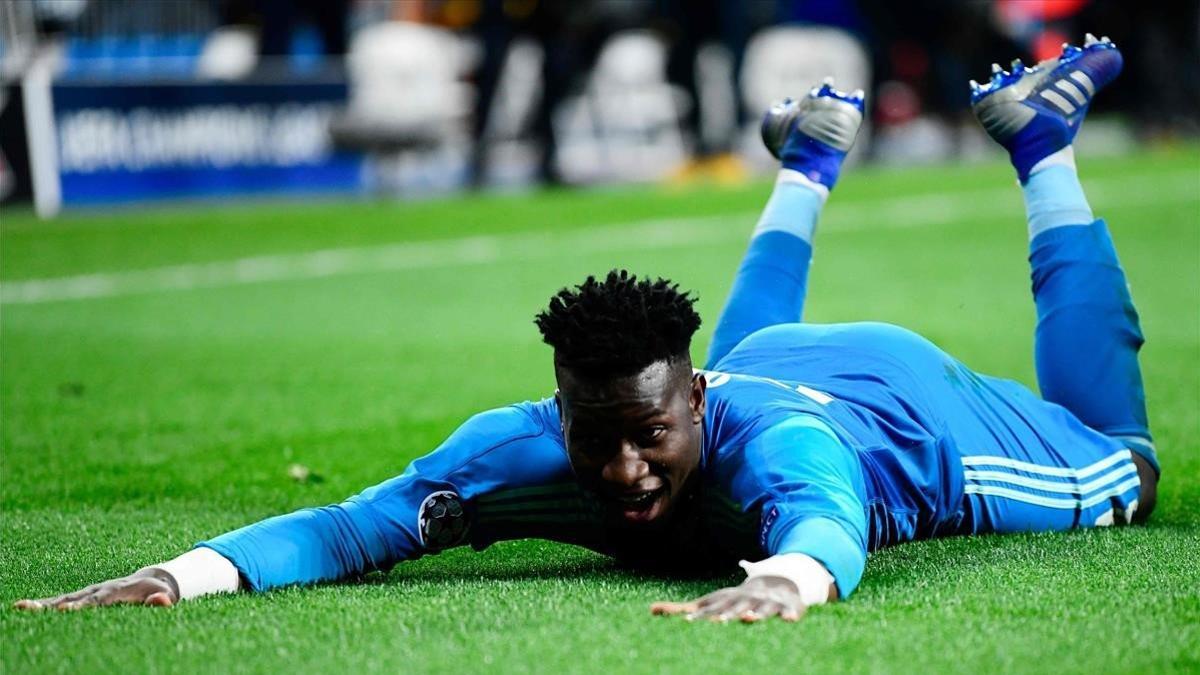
(148, 586)
(754, 600)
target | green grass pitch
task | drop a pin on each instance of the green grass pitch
(168, 405)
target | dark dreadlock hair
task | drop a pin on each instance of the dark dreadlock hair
(618, 326)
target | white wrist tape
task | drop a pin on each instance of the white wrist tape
(810, 576)
(202, 571)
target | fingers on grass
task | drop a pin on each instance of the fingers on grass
(760, 611)
(77, 601)
(672, 608)
(711, 605)
(48, 603)
(721, 607)
(63, 602)
(159, 599)
(718, 610)
(77, 604)
(101, 598)
(722, 596)
(105, 596)
(739, 608)
(84, 599)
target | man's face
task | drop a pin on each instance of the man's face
(634, 441)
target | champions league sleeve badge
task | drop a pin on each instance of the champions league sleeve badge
(442, 521)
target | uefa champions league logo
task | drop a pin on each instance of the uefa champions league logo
(442, 521)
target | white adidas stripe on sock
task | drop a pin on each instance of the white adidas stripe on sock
(1054, 471)
(1052, 502)
(1067, 486)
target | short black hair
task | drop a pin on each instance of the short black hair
(618, 326)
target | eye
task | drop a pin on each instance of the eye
(652, 435)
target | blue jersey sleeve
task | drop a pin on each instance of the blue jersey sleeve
(424, 510)
(814, 497)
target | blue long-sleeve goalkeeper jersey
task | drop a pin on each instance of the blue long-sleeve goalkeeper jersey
(825, 440)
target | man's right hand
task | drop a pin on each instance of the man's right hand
(148, 586)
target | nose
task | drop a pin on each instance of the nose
(626, 468)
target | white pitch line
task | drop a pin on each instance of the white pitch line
(894, 212)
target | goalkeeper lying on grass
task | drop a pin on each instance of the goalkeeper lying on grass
(799, 447)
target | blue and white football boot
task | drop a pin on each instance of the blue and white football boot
(1035, 112)
(813, 135)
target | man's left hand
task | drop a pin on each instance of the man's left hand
(754, 600)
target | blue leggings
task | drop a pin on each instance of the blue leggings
(1087, 336)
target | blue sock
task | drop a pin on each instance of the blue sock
(1053, 195)
(771, 282)
(1088, 334)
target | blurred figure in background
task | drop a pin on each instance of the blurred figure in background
(280, 19)
(570, 34)
(687, 26)
(279, 24)
(440, 119)
(923, 52)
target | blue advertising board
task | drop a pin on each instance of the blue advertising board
(120, 142)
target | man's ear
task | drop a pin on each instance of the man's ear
(698, 399)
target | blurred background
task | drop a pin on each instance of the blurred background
(108, 102)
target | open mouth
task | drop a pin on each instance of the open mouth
(641, 506)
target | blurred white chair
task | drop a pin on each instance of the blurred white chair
(407, 106)
(405, 75)
(787, 61)
(626, 125)
(229, 53)
(631, 59)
